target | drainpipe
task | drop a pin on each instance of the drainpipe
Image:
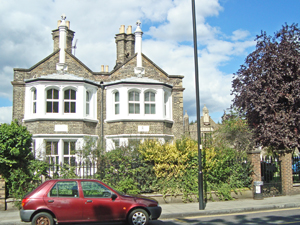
(102, 120)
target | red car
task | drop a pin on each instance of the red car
(85, 200)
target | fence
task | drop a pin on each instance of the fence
(296, 169)
(78, 170)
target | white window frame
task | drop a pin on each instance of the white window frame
(135, 102)
(70, 100)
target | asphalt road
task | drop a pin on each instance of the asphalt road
(280, 216)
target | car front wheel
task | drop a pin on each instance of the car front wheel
(138, 217)
(42, 218)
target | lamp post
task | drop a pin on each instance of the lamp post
(200, 174)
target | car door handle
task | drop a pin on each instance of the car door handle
(50, 201)
(88, 201)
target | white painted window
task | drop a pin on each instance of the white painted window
(149, 99)
(52, 155)
(52, 101)
(87, 103)
(70, 101)
(33, 100)
(134, 102)
(117, 104)
(69, 153)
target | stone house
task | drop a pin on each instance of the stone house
(61, 101)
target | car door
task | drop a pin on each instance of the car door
(98, 203)
(64, 201)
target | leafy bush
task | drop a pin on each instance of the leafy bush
(124, 169)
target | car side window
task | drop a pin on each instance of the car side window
(94, 190)
(65, 189)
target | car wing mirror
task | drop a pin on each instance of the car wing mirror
(113, 196)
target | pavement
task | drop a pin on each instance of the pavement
(180, 210)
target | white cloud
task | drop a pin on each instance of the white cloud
(26, 39)
(5, 114)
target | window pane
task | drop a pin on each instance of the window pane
(137, 108)
(49, 94)
(73, 107)
(55, 107)
(116, 108)
(72, 146)
(87, 96)
(34, 95)
(137, 96)
(116, 96)
(67, 94)
(55, 148)
(131, 96)
(87, 109)
(131, 108)
(72, 159)
(34, 107)
(152, 109)
(147, 96)
(152, 97)
(67, 108)
(147, 111)
(48, 148)
(73, 94)
(55, 94)
(66, 148)
(49, 107)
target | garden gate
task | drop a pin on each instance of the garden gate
(271, 176)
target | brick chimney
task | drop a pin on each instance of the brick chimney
(70, 36)
(125, 44)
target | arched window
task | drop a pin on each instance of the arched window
(149, 102)
(34, 100)
(70, 101)
(52, 101)
(88, 98)
(117, 102)
(134, 102)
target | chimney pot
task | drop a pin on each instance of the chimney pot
(106, 68)
(122, 29)
(129, 30)
(102, 68)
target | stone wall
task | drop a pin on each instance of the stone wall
(2, 194)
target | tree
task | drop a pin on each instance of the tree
(234, 132)
(266, 89)
(17, 164)
(15, 147)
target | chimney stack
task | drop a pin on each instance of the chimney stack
(124, 44)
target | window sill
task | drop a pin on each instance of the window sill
(139, 120)
(61, 119)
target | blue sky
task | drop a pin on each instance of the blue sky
(226, 31)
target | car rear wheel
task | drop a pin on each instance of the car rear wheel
(138, 217)
(42, 218)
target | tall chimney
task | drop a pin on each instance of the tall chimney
(61, 65)
(124, 44)
(139, 70)
(70, 36)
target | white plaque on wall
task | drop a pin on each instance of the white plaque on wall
(61, 128)
(143, 128)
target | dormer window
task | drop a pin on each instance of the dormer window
(134, 102)
(149, 102)
(70, 101)
(52, 101)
